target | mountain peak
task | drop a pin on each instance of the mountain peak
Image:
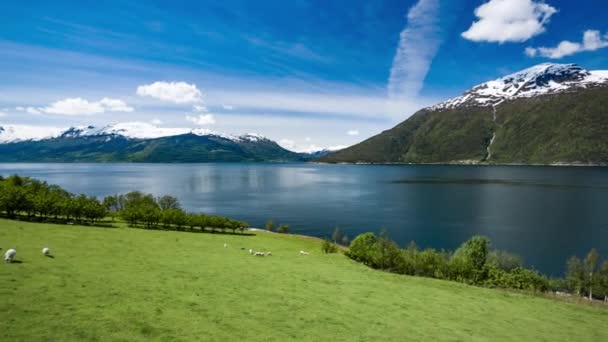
(545, 78)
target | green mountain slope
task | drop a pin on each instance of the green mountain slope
(545, 128)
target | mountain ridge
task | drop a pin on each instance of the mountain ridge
(511, 120)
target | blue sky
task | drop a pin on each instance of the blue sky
(308, 73)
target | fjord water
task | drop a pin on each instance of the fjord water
(545, 214)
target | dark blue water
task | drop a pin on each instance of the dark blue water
(545, 214)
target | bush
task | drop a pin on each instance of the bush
(361, 248)
(270, 226)
(467, 263)
(329, 247)
(283, 229)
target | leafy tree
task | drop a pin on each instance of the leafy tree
(168, 202)
(328, 247)
(575, 274)
(112, 205)
(504, 260)
(336, 235)
(467, 263)
(283, 229)
(361, 247)
(345, 240)
(590, 269)
(270, 226)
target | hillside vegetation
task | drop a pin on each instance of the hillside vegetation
(137, 284)
(568, 127)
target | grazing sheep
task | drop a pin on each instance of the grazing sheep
(10, 255)
(46, 251)
(250, 251)
(304, 253)
(268, 253)
(225, 245)
(259, 254)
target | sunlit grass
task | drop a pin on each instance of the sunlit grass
(135, 284)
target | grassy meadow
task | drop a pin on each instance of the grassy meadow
(140, 285)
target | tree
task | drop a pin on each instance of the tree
(467, 263)
(168, 202)
(328, 247)
(361, 247)
(283, 229)
(111, 205)
(345, 240)
(575, 274)
(270, 226)
(504, 260)
(603, 279)
(590, 268)
(336, 235)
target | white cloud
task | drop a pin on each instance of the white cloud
(202, 120)
(353, 132)
(157, 122)
(592, 40)
(2, 114)
(19, 108)
(178, 92)
(291, 145)
(32, 110)
(197, 108)
(307, 139)
(80, 106)
(418, 45)
(288, 144)
(509, 21)
(227, 107)
(115, 105)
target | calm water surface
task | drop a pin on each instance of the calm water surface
(545, 214)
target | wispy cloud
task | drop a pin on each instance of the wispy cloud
(353, 132)
(418, 45)
(201, 120)
(592, 41)
(509, 21)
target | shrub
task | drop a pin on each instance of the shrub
(467, 263)
(283, 229)
(270, 226)
(329, 247)
(361, 248)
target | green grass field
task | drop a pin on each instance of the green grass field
(133, 284)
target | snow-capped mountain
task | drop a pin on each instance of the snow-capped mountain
(546, 78)
(129, 130)
(546, 114)
(136, 142)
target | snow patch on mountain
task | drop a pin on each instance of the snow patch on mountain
(546, 78)
(129, 130)
(16, 133)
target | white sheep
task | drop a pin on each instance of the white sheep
(46, 251)
(259, 254)
(10, 255)
(268, 253)
(225, 245)
(250, 251)
(304, 253)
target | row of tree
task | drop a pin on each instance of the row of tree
(36, 199)
(139, 209)
(33, 199)
(474, 262)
